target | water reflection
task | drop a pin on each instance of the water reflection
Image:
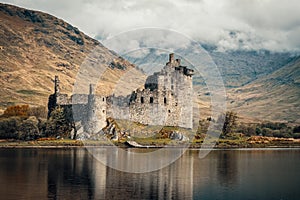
(227, 168)
(75, 174)
(69, 175)
(173, 182)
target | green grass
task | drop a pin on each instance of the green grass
(152, 141)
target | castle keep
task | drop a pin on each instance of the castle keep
(167, 100)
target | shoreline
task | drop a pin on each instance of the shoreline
(246, 143)
(189, 148)
(170, 147)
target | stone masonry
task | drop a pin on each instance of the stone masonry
(166, 100)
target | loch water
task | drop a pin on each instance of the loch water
(73, 173)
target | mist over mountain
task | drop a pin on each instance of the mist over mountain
(261, 85)
(230, 24)
(237, 67)
(35, 46)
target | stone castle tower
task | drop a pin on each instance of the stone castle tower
(167, 100)
(88, 109)
(96, 112)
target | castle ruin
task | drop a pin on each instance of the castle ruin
(166, 100)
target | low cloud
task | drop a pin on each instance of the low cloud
(229, 24)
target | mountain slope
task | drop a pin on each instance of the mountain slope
(241, 67)
(260, 85)
(35, 46)
(272, 97)
(237, 67)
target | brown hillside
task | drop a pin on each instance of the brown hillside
(274, 97)
(34, 47)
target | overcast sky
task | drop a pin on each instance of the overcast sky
(229, 24)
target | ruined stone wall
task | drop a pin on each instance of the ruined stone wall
(171, 93)
(166, 100)
(89, 109)
(79, 112)
(146, 108)
(118, 107)
(63, 99)
(143, 106)
(184, 94)
(79, 99)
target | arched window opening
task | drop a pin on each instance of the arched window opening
(165, 100)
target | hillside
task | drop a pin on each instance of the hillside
(272, 97)
(260, 85)
(34, 47)
(237, 67)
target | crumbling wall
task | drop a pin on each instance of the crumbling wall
(166, 100)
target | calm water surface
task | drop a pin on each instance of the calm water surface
(223, 174)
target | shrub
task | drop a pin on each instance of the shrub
(277, 133)
(296, 135)
(203, 126)
(38, 112)
(274, 125)
(229, 123)
(258, 130)
(19, 128)
(267, 132)
(57, 124)
(28, 129)
(247, 129)
(296, 129)
(9, 127)
(18, 110)
(42, 125)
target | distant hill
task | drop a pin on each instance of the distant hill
(35, 46)
(237, 67)
(240, 67)
(260, 85)
(275, 96)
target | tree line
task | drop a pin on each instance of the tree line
(23, 122)
(232, 127)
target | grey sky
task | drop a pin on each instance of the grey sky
(230, 24)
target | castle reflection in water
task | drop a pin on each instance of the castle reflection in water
(75, 174)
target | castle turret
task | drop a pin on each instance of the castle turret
(56, 85)
(171, 57)
(92, 89)
(96, 113)
(172, 62)
(52, 101)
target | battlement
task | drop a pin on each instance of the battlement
(165, 100)
(172, 61)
